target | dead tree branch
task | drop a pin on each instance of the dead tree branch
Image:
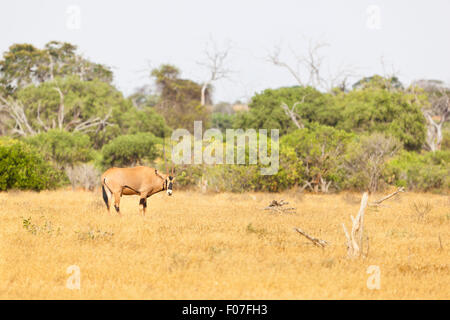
(17, 112)
(317, 242)
(393, 194)
(215, 62)
(312, 64)
(61, 108)
(290, 112)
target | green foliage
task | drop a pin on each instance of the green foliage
(366, 159)
(23, 64)
(374, 109)
(321, 149)
(266, 111)
(222, 121)
(426, 172)
(179, 101)
(83, 101)
(22, 167)
(143, 120)
(62, 148)
(377, 81)
(129, 150)
(144, 97)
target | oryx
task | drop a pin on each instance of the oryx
(142, 181)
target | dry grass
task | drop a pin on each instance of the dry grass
(218, 246)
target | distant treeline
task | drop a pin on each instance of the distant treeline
(63, 122)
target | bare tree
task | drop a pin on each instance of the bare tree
(23, 127)
(215, 63)
(367, 159)
(437, 112)
(308, 69)
(291, 113)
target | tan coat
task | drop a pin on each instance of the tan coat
(141, 181)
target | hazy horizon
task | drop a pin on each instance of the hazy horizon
(134, 36)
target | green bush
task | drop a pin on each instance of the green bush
(266, 110)
(375, 109)
(243, 177)
(366, 159)
(425, 172)
(129, 150)
(22, 167)
(321, 150)
(63, 148)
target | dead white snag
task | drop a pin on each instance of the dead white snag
(355, 239)
(378, 202)
(315, 241)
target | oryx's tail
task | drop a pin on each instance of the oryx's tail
(105, 196)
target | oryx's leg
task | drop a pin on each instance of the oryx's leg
(107, 196)
(143, 204)
(109, 199)
(117, 196)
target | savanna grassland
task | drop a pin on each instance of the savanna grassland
(220, 246)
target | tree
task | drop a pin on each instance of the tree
(64, 149)
(91, 107)
(308, 69)
(144, 97)
(367, 158)
(389, 83)
(129, 150)
(145, 119)
(215, 63)
(437, 112)
(24, 64)
(321, 149)
(374, 109)
(267, 109)
(179, 101)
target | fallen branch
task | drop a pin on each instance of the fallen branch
(378, 202)
(277, 206)
(315, 241)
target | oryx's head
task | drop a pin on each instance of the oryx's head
(169, 184)
(168, 181)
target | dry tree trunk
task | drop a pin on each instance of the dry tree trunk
(355, 239)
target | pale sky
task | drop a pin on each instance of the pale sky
(132, 36)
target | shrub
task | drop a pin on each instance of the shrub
(425, 172)
(129, 150)
(266, 110)
(375, 109)
(22, 167)
(320, 149)
(62, 148)
(367, 159)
